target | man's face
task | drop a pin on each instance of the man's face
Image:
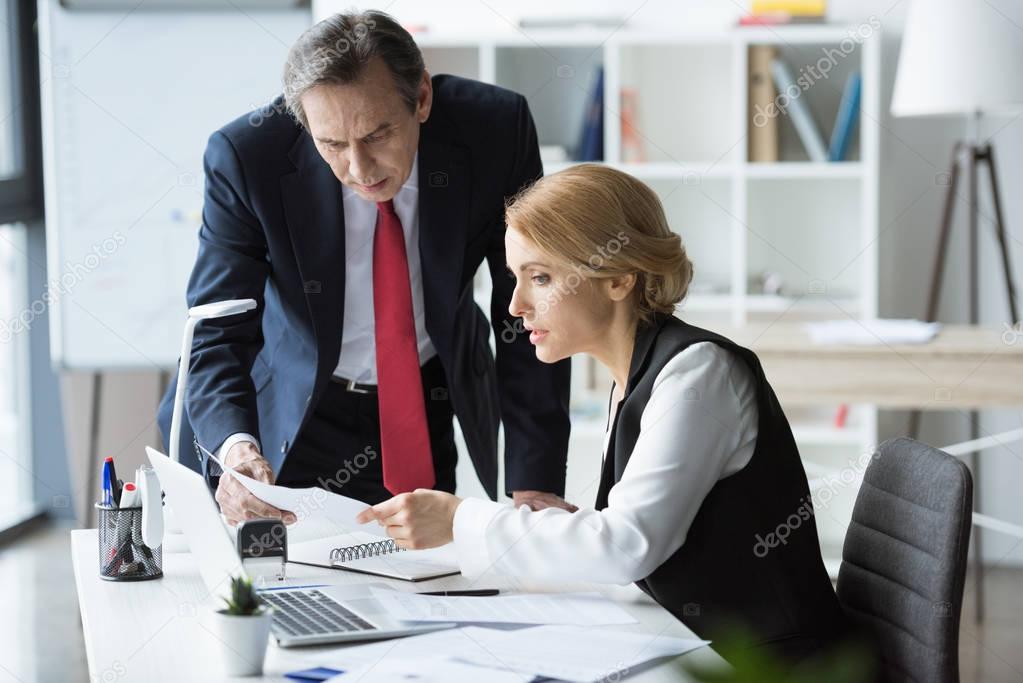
(365, 131)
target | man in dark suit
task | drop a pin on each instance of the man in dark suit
(356, 210)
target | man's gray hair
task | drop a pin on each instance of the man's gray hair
(338, 49)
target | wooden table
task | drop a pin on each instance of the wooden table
(963, 367)
(156, 631)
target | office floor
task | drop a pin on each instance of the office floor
(43, 624)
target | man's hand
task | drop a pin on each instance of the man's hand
(539, 500)
(237, 504)
(417, 520)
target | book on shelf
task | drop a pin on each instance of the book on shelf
(802, 8)
(633, 150)
(762, 119)
(845, 120)
(779, 12)
(778, 19)
(799, 111)
(591, 140)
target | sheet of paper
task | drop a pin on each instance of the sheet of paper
(353, 656)
(590, 609)
(572, 653)
(308, 502)
(428, 670)
(575, 653)
(872, 332)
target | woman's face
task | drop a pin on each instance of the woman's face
(564, 312)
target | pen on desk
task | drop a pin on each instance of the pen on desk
(482, 593)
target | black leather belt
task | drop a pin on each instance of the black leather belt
(353, 386)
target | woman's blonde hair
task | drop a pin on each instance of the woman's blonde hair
(605, 223)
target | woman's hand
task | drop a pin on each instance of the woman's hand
(417, 520)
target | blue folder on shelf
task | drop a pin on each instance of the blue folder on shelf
(591, 142)
(845, 121)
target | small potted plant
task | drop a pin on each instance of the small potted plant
(243, 627)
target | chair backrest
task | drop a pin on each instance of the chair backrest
(904, 559)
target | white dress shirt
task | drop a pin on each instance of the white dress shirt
(699, 426)
(357, 360)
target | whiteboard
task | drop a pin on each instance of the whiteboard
(129, 99)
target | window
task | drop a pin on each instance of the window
(20, 209)
(15, 454)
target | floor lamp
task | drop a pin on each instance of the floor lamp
(962, 58)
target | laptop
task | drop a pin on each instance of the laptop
(301, 616)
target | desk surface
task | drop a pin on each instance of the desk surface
(962, 367)
(156, 630)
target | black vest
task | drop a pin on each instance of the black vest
(723, 578)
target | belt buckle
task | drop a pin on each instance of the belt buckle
(354, 389)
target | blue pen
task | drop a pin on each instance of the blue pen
(107, 483)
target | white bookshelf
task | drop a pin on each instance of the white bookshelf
(814, 224)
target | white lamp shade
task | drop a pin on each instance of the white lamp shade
(958, 57)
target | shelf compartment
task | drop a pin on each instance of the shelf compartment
(557, 82)
(680, 89)
(807, 232)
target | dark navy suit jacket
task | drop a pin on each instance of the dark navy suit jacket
(273, 230)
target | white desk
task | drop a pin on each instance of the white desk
(155, 630)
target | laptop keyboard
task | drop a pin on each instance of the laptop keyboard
(310, 613)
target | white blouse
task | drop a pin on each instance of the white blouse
(699, 426)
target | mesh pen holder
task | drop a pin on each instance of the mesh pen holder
(122, 554)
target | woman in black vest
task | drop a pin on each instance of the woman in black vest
(702, 499)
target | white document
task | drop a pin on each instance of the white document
(446, 643)
(571, 653)
(872, 332)
(428, 670)
(575, 653)
(307, 502)
(591, 609)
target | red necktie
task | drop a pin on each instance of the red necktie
(404, 436)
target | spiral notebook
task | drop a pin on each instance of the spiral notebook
(360, 552)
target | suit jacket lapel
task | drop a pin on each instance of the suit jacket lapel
(444, 202)
(315, 216)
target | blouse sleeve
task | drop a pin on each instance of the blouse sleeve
(698, 426)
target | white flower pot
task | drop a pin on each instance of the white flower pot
(242, 641)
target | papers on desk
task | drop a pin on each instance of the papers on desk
(427, 670)
(338, 509)
(590, 609)
(571, 653)
(872, 332)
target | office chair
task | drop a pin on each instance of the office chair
(904, 559)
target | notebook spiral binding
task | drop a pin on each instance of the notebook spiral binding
(357, 552)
